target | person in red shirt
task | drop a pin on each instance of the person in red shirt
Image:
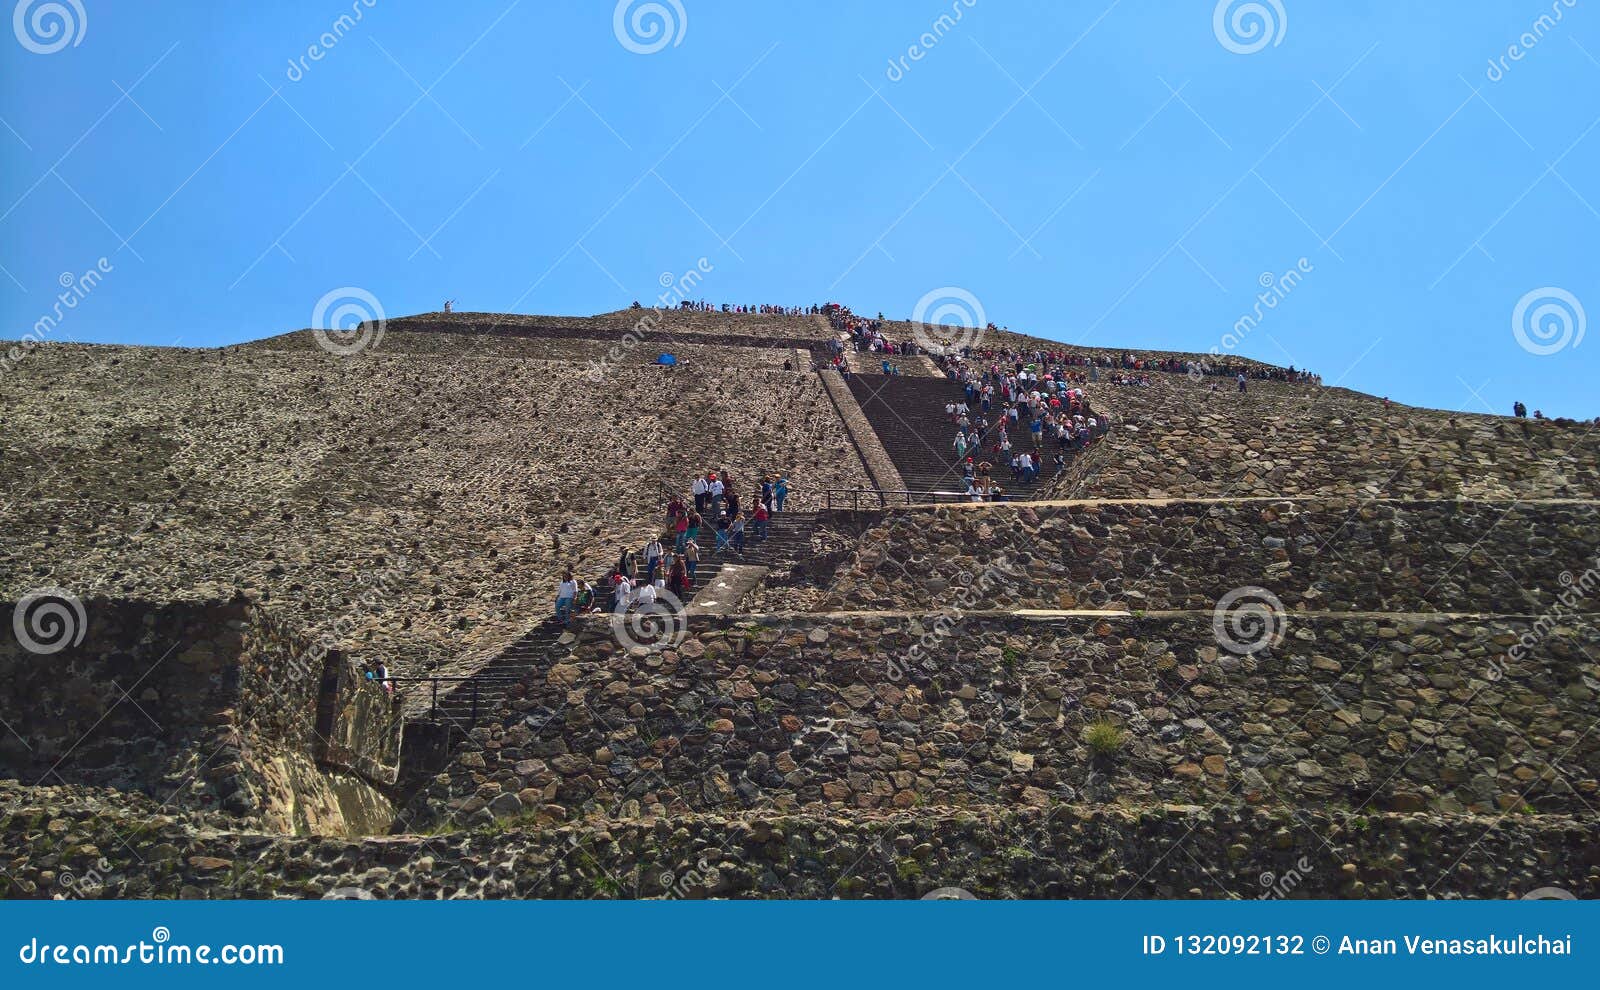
(759, 521)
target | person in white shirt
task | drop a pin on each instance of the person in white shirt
(700, 490)
(566, 593)
(652, 558)
(717, 489)
(647, 596)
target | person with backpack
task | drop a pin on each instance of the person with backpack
(691, 559)
(585, 602)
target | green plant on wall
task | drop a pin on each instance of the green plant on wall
(1104, 737)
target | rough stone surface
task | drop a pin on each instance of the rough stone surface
(1441, 555)
(814, 713)
(1034, 700)
(201, 705)
(60, 845)
(417, 503)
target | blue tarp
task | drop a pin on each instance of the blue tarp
(667, 359)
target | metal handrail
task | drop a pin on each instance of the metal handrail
(475, 680)
(878, 499)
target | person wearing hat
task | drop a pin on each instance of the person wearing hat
(691, 559)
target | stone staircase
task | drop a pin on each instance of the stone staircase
(788, 542)
(469, 701)
(908, 415)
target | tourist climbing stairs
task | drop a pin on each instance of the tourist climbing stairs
(908, 414)
(462, 702)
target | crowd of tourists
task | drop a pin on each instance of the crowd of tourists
(772, 309)
(713, 519)
(1012, 413)
(1520, 411)
(865, 334)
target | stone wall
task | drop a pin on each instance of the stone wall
(134, 705)
(55, 843)
(1179, 439)
(1313, 554)
(893, 712)
(200, 705)
(360, 727)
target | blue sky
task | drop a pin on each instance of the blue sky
(1128, 173)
